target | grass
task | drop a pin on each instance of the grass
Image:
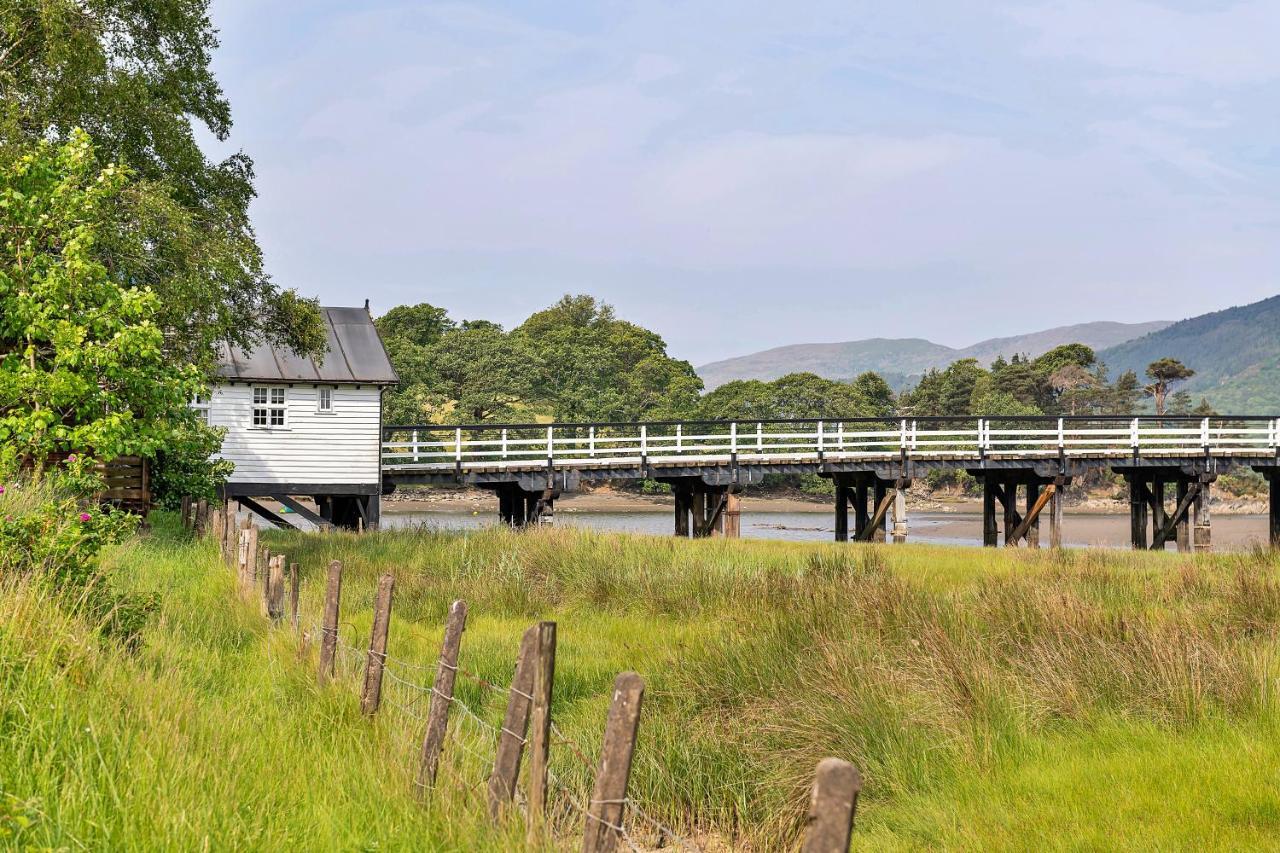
(993, 699)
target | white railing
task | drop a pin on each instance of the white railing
(779, 442)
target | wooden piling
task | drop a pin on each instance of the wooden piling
(607, 808)
(376, 660)
(1183, 534)
(441, 697)
(842, 511)
(1056, 501)
(1273, 480)
(900, 511)
(990, 533)
(202, 517)
(832, 803)
(1137, 513)
(515, 727)
(184, 511)
(540, 728)
(1202, 534)
(329, 629)
(1034, 505)
(732, 514)
(218, 530)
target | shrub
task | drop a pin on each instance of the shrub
(52, 532)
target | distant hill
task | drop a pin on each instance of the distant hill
(901, 359)
(1235, 353)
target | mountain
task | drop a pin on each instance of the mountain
(1235, 353)
(899, 359)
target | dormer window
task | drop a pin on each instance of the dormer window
(268, 407)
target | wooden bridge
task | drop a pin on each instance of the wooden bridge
(1169, 463)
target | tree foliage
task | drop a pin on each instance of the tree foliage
(82, 367)
(136, 77)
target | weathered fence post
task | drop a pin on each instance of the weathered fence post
(185, 511)
(441, 696)
(376, 660)
(219, 531)
(329, 630)
(294, 588)
(275, 589)
(540, 727)
(202, 517)
(607, 808)
(515, 727)
(831, 806)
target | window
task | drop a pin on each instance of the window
(268, 407)
(200, 404)
(324, 401)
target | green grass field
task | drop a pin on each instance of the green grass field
(992, 699)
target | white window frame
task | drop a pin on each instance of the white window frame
(321, 408)
(274, 406)
(200, 405)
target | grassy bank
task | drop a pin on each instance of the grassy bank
(992, 699)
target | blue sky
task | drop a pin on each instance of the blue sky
(739, 175)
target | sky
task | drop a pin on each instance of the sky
(747, 174)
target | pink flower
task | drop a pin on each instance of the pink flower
(71, 458)
(84, 516)
(1, 490)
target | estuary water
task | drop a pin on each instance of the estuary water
(1078, 529)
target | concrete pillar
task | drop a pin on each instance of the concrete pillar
(990, 534)
(900, 513)
(1137, 513)
(1184, 523)
(1202, 535)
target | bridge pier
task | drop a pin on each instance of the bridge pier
(520, 507)
(1000, 489)
(703, 510)
(1153, 523)
(870, 499)
(1273, 480)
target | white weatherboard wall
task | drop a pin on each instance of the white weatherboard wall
(313, 447)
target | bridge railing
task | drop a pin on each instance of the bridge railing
(432, 446)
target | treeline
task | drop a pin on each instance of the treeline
(577, 361)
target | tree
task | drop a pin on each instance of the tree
(1122, 397)
(82, 367)
(588, 365)
(1073, 386)
(483, 373)
(136, 77)
(875, 393)
(422, 324)
(1163, 373)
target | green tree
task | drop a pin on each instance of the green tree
(588, 365)
(1122, 397)
(422, 324)
(1163, 373)
(82, 367)
(875, 393)
(135, 75)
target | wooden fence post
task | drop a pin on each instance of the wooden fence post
(294, 588)
(329, 631)
(515, 727)
(232, 531)
(376, 660)
(540, 728)
(607, 808)
(202, 517)
(219, 531)
(275, 589)
(831, 806)
(441, 696)
(185, 511)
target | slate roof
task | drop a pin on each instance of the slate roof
(355, 356)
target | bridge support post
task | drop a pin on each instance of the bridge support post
(684, 508)
(1184, 522)
(866, 497)
(843, 494)
(1033, 531)
(1137, 513)
(900, 510)
(520, 508)
(1202, 533)
(990, 533)
(1056, 501)
(702, 510)
(1273, 478)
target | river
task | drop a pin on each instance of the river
(952, 528)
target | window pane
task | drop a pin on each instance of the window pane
(259, 395)
(259, 417)
(326, 399)
(277, 417)
(277, 395)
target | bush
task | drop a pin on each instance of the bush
(52, 532)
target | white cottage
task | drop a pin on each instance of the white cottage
(296, 426)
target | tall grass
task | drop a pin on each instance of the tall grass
(992, 698)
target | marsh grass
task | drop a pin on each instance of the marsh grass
(993, 699)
